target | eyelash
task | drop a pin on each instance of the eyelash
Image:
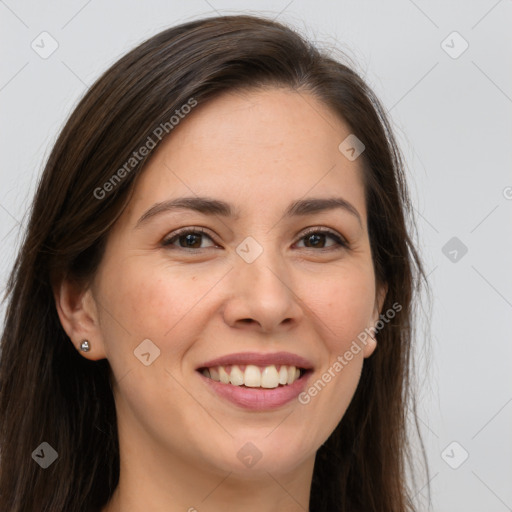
(340, 241)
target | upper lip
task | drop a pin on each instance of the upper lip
(259, 359)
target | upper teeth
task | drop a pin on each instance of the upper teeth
(253, 376)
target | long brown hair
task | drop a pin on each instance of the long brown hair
(49, 393)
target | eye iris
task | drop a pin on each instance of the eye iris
(190, 238)
(316, 238)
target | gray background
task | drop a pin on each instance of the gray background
(452, 116)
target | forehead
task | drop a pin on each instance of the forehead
(255, 145)
(267, 121)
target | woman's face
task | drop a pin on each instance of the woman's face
(253, 281)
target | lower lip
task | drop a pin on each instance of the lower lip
(258, 399)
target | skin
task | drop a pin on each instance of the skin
(259, 150)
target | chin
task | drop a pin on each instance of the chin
(254, 459)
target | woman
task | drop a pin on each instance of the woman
(212, 307)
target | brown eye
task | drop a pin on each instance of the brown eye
(317, 239)
(187, 239)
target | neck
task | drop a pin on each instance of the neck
(141, 489)
(153, 479)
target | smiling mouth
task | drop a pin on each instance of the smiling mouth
(252, 376)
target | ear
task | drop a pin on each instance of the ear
(78, 316)
(371, 342)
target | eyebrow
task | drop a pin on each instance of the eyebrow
(209, 206)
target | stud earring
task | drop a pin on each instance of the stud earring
(84, 346)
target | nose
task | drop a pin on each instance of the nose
(262, 296)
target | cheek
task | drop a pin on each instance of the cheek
(343, 308)
(152, 301)
(344, 305)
